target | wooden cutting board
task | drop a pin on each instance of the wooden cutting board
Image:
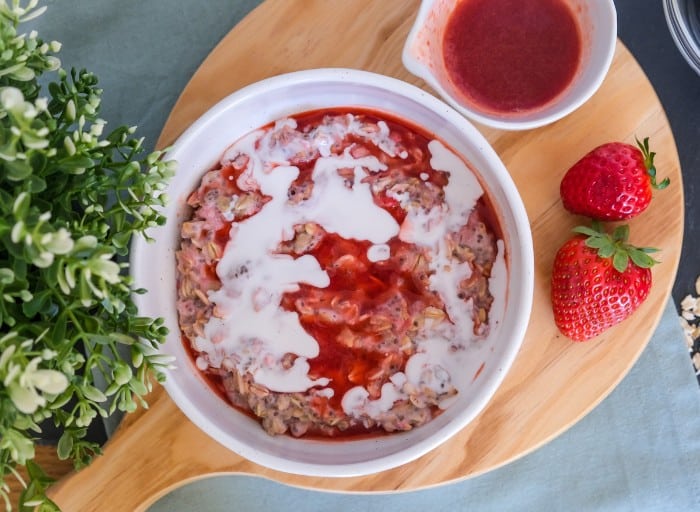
(553, 383)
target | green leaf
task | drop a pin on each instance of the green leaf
(65, 445)
(641, 258)
(606, 251)
(620, 260)
(74, 162)
(60, 325)
(94, 394)
(62, 399)
(121, 239)
(85, 293)
(17, 170)
(36, 304)
(597, 242)
(138, 387)
(38, 474)
(621, 233)
(6, 200)
(35, 184)
(585, 230)
(6, 276)
(100, 339)
(20, 207)
(649, 164)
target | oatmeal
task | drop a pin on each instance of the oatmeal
(336, 271)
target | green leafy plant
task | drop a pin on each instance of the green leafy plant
(71, 198)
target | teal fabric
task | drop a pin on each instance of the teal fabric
(638, 450)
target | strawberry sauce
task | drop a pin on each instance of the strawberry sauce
(511, 56)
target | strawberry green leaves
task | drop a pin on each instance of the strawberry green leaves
(649, 164)
(615, 246)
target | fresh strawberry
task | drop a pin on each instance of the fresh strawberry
(612, 182)
(598, 280)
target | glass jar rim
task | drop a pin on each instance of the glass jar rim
(683, 19)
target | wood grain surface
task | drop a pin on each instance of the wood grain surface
(553, 383)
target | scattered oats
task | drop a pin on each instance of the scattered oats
(689, 303)
(690, 322)
(688, 315)
(688, 339)
(684, 323)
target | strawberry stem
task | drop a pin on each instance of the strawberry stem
(649, 164)
(615, 246)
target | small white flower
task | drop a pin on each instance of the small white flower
(17, 232)
(53, 63)
(11, 98)
(69, 145)
(106, 269)
(41, 104)
(60, 242)
(24, 386)
(70, 110)
(86, 242)
(6, 355)
(146, 211)
(23, 74)
(30, 111)
(21, 201)
(70, 277)
(13, 371)
(44, 259)
(97, 127)
(27, 400)
(48, 354)
(49, 381)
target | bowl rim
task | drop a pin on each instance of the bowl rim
(682, 34)
(521, 232)
(536, 119)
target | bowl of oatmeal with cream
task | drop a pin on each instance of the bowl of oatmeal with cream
(346, 272)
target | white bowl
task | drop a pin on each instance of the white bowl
(423, 57)
(201, 146)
